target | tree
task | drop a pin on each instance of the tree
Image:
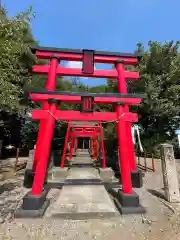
(159, 79)
(15, 58)
(16, 61)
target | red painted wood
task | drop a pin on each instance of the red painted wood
(37, 97)
(79, 57)
(63, 71)
(78, 116)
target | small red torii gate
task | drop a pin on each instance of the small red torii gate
(50, 112)
(74, 131)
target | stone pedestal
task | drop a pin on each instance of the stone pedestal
(58, 174)
(137, 179)
(127, 203)
(29, 175)
(170, 178)
(33, 206)
(106, 174)
(30, 159)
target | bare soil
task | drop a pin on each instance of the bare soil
(162, 220)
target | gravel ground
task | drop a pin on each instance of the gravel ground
(162, 220)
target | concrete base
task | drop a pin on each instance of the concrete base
(84, 202)
(129, 210)
(107, 185)
(68, 163)
(29, 175)
(82, 165)
(82, 160)
(137, 179)
(128, 200)
(106, 174)
(58, 173)
(80, 176)
(28, 178)
(30, 160)
(97, 164)
(127, 203)
(83, 182)
(33, 206)
(24, 213)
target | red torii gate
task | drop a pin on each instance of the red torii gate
(49, 113)
(84, 131)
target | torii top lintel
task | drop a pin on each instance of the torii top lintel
(78, 54)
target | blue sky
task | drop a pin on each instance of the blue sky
(114, 25)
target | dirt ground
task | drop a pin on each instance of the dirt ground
(162, 220)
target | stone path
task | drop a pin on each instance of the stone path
(83, 201)
(83, 174)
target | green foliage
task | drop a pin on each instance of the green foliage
(159, 79)
(15, 58)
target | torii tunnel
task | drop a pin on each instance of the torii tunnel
(74, 131)
(51, 112)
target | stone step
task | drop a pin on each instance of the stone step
(82, 181)
(83, 173)
(58, 174)
(81, 165)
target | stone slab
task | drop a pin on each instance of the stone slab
(82, 160)
(170, 178)
(106, 174)
(82, 165)
(84, 202)
(58, 174)
(83, 174)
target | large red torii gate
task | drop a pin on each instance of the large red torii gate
(50, 112)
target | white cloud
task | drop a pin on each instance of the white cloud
(73, 64)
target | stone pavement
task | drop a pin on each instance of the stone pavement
(83, 201)
(83, 174)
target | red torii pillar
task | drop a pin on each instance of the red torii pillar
(72, 140)
(95, 148)
(65, 145)
(43, 156)
(121, 83)
(102, 146)
(50, 86)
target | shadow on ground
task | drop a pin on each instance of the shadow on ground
(157, 193)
